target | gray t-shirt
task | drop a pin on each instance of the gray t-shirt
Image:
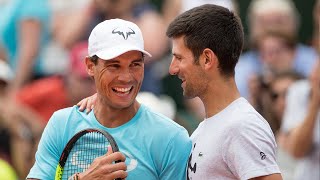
(295, 112)
(236, 143)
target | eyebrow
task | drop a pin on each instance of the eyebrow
(118, 61)
(176, 55)
(139, 60)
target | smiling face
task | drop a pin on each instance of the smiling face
(183, 65)
(118, 80)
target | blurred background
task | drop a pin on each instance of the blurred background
(43, 44)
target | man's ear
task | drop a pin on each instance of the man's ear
(89, 66)
(210, 59)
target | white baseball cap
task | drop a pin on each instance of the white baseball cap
(114, 37)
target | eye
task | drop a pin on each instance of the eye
(178, 58)
(136, 64)
(113, 66)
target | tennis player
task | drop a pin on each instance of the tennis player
(233, 141)
(151, 145)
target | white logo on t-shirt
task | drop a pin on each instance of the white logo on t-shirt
(131, 162)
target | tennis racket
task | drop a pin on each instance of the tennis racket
(81, 150)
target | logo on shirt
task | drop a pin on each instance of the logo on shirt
(131, 162)
(125, 33)
(263, 155)
(192, 168)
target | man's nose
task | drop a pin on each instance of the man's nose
(125, 76)
(173, 68)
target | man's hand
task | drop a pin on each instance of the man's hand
(87, 103)
(104, 167)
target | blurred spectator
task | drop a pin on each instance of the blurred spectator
(46, 95)
(24, 31)
(272, 109)
(277, 51)
(277, 91)
(274, 15)
(300, 132)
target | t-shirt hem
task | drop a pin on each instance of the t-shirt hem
(261, 172)
(32, 176)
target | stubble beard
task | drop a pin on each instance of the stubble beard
(189, 92)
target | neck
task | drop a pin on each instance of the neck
(219, 95)
(112, 117)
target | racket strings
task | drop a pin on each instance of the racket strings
(83, 153)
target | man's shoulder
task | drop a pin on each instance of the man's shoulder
(244, 115)
(159, 119)
(67, 110)
(67, 113)
(160, 127)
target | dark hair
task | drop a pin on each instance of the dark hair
(214, 27)
(94, 59)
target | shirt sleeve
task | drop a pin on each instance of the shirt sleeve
(176, 156)
(250, 151)
(48, 153)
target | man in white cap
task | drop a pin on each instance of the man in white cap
(151, 145)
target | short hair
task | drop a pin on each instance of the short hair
(94, 59)
(214, 27)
